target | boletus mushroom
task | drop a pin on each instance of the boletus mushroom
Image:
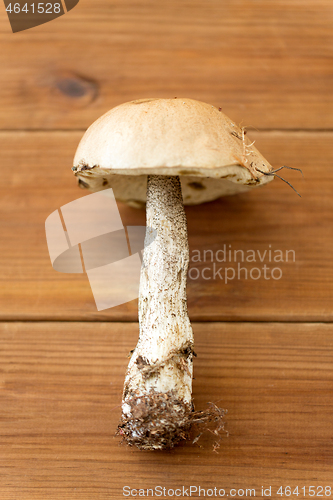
(165, 153)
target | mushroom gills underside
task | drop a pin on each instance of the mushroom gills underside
(131, 189)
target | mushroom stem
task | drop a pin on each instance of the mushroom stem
(157, 401)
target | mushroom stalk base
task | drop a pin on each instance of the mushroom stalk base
(157, 401)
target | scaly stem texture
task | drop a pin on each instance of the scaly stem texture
(157, 393)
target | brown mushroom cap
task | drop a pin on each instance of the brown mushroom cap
(181, 137)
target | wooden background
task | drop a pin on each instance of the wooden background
(265, 347)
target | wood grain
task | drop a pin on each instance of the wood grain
(36, 180)
(268, 64)
(61, 389)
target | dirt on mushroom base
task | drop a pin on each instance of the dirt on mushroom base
(161, 421)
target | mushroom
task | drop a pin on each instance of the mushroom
(164, 151)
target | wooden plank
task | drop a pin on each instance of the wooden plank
(268, 64)
(60, 405)
(36, 180)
